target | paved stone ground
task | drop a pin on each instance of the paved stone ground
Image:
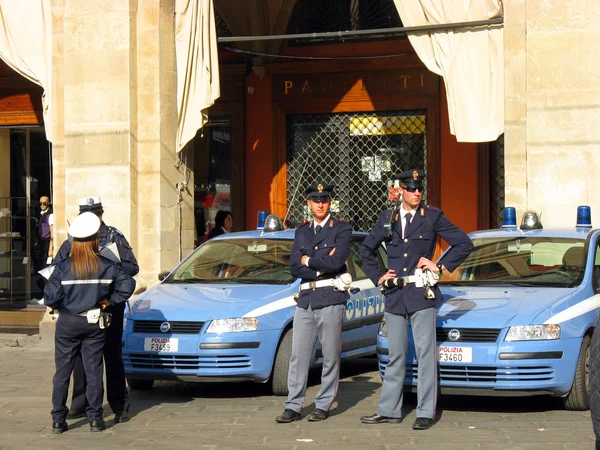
(241, 416)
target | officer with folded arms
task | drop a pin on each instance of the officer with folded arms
(318, 257)
(80, 287)
(410, 244)
(117, 395)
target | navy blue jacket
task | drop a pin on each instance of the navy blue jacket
(107, 235)
(404, 254)
(335, 234)
(69, 295)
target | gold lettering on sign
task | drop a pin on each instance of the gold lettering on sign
(406, 78)
(306, 87)
(287, 85)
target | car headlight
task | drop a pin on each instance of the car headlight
(533, 332)
(382, 329)
(233, 325)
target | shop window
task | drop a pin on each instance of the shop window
(212, 174)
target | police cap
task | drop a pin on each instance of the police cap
(90, 204)
(411, 178)
(319, 192)
(84, 226)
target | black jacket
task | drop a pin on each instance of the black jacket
(70, 295)
(107, 235)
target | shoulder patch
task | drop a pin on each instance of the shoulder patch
(117, 231)
(304, 222)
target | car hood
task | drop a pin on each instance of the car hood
(202, 302)
(484, 307)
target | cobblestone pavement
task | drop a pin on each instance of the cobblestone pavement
(241, 416)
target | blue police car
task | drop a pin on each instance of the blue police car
(518, 315)
(225, 314)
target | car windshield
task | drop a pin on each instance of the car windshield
(247, 261)
(521, 261)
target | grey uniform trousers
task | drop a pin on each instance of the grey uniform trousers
(326, 324)
(423, 329)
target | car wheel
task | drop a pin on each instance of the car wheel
(140, 384)
(579, 397)
(281, 367)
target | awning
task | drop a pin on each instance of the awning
(26, 46)
(470, 60)
(197, 66)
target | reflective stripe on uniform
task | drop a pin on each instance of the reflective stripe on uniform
(86, 282)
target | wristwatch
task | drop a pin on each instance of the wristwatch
(439, 266)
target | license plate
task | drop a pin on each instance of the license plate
(452, 354)
(161, 344)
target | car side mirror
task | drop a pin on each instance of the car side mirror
(163, 275)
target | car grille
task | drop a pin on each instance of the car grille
(469, 334)
(153, 326)
(181, 362)
(486, 374)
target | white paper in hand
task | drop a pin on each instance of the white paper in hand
(46, 272)
(111, 252)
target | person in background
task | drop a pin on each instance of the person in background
(79, 287)
(223, 224)
(43, 248)
(116, 390)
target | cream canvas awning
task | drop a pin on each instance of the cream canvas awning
(197, 66)
(26, 45)
(470, 60)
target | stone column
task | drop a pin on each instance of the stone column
(116, 118)
(563, 106)
(515, 105)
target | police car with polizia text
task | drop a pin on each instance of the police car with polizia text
(517, 316)
(225, 313)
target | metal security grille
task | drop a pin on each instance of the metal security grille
(356, 152)
(497, 179)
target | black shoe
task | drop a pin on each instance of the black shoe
(76, 414)
(122, 417)
(422, 423)
(288, 416)
(376, 418)
(317, 415)
(97, 425)
(59, 427)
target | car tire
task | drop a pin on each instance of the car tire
(281, 367)
(578, 399)
(140, 384)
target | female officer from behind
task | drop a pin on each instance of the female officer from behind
(79, 288)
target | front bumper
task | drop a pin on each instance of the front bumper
(505, 368)
(203, 357)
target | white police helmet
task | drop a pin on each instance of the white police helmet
(85, 225)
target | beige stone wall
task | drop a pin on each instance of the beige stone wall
(553, 105)
(116, 117)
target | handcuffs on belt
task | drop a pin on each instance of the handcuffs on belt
(341, 283)
(422, 279)
(95, 315)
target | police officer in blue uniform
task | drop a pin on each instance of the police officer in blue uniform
(79, 287)
(318, 257)
(117, 394)
(411, 245)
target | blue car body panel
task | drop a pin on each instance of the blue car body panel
(513, 367)
(250, 355)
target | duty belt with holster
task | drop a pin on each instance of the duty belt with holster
(96, 315)
(422, 279)
(340, 283)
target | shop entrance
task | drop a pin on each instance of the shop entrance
(359, 153)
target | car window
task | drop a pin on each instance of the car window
(522, 261)
(359, 273)
(248, 261)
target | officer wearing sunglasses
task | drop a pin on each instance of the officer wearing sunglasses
(410, 245)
